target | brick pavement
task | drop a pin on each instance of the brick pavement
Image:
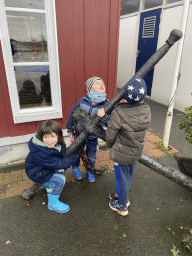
(13, 183)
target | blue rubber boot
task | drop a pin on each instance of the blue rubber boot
(55, 205)
(77, 173)
(90, 176)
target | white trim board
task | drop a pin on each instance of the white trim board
(8, 141)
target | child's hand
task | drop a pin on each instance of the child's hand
(61, 170)
(101, 112)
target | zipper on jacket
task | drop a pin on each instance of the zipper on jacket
(90, 110)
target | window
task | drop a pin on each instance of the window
(151, 4)
(31, 59)
(129, 6)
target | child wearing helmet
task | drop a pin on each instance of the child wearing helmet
(125, 136)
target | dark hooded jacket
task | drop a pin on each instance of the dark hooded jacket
(126, 132)
(41, 162)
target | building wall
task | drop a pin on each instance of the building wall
(88, 33)
(128, 36)
(184, 96)
(163, 71)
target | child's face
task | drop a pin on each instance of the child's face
(50, 140)
(98, 87)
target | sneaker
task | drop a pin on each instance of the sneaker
(115, 196)
(90, 176)
(114, 205)
(77, 173)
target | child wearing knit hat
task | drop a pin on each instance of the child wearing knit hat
(93, 102)
(125, 136)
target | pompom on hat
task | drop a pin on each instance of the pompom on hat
(135, 90)
(90, 81)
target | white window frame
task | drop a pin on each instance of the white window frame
(38, 113)
(142, 4)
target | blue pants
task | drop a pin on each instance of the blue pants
(123, 175)
(55, 184)
(91, 149)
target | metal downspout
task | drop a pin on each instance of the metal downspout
(176, 75)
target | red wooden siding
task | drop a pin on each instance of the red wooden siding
(88, 32)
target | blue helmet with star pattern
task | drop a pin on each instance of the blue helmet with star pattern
(135, 90)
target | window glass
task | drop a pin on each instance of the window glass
(33, 86)
(28, 37)
(31, 4)
(129, 6)
(172, 1)
(29, 74)
(151, 4)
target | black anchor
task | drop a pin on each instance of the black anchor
(91, 124)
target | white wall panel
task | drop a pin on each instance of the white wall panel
(127, 48)
(164, 70)
(184, 97)
(163, 73)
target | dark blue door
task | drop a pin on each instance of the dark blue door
(147, 43)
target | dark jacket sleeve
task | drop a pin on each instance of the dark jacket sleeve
(113, 127)
(70, 122)
(106, 117)
(52, 162)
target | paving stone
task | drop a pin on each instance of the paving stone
(7, 178)
(172, 151)
(148, 145)
(103, 154)
(149, 153)
(16, 188)
(156, 152)
(153, 138)
(24, 176)
(2, 192)
(18, 180)
(147, 133)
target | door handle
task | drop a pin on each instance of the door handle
(137, 53)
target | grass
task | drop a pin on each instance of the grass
(163, 148)
(115, 227)
(105, 169)
(174, 251)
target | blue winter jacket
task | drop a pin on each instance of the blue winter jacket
(86, 105)
(41, 162)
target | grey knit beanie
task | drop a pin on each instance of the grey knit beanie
(90, 82)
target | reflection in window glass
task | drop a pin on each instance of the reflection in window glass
(28, 37)
(129, 6)
(32, 4)
(172, 1)
(151, 4)
(33, 86)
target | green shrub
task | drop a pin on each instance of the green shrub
(186, 123)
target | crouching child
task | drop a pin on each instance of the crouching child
(46, 164)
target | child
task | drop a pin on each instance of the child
(45, 161)
(94, 102)
(125, 134)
